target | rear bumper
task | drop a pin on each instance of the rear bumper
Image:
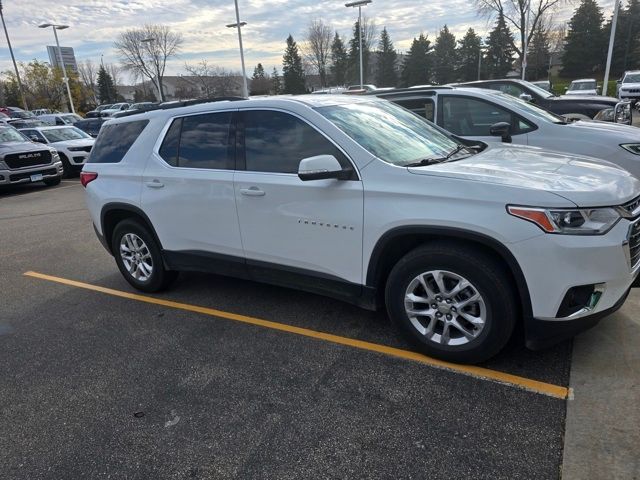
(544, 333)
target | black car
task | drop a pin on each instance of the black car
(91, 125)
(571, 107)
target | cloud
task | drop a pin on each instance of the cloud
(95, 24)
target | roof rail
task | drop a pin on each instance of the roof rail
(416, 89)
(178, 104)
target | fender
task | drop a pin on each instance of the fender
(456, 233)
(109, 207)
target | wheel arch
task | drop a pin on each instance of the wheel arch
(397, 242)
(114, 213)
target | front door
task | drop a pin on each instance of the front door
(293, 229)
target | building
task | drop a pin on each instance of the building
(68, 57)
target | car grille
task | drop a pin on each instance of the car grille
(27, 159)
(632, 207)
(632, 90)
(14, 177)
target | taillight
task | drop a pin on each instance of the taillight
(87, 177)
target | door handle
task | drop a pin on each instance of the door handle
(154, 184)
(252, 192)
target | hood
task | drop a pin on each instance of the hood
(589, 98)
(79, 142)
(21, 147)
(585, 181)
(619, 132)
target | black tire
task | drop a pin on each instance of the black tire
(51, 182)
(160, 278)
(487, 276)
(67, 169)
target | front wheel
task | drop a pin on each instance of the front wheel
(139, 258)
(456, 303)
(51, 182)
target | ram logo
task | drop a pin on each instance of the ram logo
(24, 156)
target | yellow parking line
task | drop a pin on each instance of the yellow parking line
(544, 388)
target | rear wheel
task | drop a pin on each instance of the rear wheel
(455, 303)
(139, 258)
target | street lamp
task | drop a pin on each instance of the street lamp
(64, 68)
(15, 66)
(239, 25)
(151, 41)
(359, 4)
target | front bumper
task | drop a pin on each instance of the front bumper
(553, 265)
(23, 175)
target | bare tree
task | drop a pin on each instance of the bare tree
(515, 12)
(317, 47)
(88, 74)
(146, 50)
(114, 70)
(211, 80)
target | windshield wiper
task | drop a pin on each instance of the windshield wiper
(458, 149)
(424, 161)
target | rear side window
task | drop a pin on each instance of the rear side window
(114, 141)
(200, 141)
(423, 107)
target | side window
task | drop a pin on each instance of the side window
(169, 148)
(34, 133)
(207, 141)
(471, 117)
(277, 141)
(114, 141)
(423, 107)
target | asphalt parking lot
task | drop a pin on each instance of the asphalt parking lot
(97, 385)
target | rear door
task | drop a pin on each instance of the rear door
(187, 188)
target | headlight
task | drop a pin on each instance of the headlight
(569, 221)
(76, 149)
(632, 147)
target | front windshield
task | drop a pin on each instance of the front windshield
(539, 91)
(390, 132)
(8, 134)
(632, 78)
(22, 114)
(532, 109)
(583, 86)
(62, 134)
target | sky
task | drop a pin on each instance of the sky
(95, 24)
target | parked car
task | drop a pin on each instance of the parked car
(482, 115)
(43, 111)
(544, 84)
(359, 199)
(60, 118)
(26, 123)
(118, 107)
(137, 108)
(584, 86)
(18, 113)
(97, 112)
(365, 87)
(91, 125)
(630, 87)
(22, 161)
(72, 144)
(571, 107)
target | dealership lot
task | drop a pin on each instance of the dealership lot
(99, 380)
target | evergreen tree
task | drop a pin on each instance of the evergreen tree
(339, 61)
(292, 71)
(416, 68)
(626, 49)
(538, 54)
(499, 57)
(11, 92)
(386, 75)
(444, 57)
(469, 50)
(276, 82)
(585, 43)
(107, 92)
(259, 81)
(353, 70)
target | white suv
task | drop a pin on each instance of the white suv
(359, 199)
(630, 87)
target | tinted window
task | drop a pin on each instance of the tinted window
(423, 107)
(169, 149)
(114, 141)
(276, 142)
(206, 141)
(471, 117)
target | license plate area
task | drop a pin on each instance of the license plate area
(36, 177)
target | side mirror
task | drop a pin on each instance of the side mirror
(322, 167)
(501, 129)
(526, 97)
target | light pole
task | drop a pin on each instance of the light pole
(359, 4)
(15, 66)
(239, 25)
(525, 44)
(155, 63)
(64, 68)
(480, 61)
(614, 22)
